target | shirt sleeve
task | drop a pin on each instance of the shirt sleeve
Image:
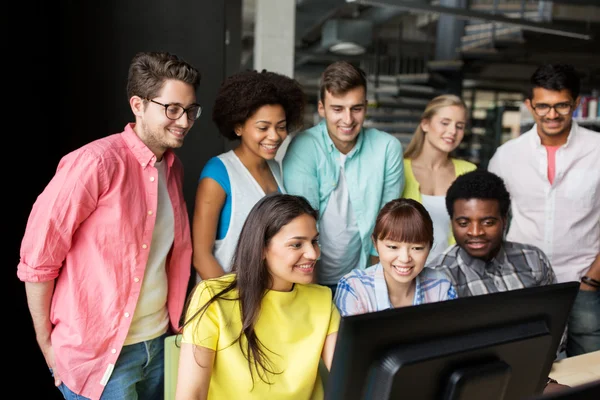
(201, 326)
(300, 169)
(65, 203)
(393, 184)
(347, 298)
(216, 170)
(334, 321)
(394, 180)
(547, 277)
(451, 295)
(494, 164)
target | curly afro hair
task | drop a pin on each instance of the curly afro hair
(243, 93)
(478, 184)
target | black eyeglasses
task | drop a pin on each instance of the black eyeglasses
(543, 109)
(175, 111)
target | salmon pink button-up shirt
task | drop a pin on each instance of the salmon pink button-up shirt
(91, 230)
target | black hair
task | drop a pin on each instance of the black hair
(555, 77)
(478, 184)
(243, 93)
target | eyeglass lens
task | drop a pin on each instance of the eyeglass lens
(175, 112)
(561, 108)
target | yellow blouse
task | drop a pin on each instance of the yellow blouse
(412, 187)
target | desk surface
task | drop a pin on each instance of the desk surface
(573, 371)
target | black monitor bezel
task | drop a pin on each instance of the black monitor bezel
(354, 354)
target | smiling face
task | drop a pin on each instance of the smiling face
(478, 227)
(344, 115)
(446, 128)
(553, 128)
(401, 261)
(263, 133)
(153, 127)
(292, 253)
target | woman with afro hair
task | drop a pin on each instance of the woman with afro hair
(256, 110)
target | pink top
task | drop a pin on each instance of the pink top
(91, 229)
(551, 150)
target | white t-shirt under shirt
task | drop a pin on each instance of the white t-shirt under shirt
(151, 318)
(339, 235)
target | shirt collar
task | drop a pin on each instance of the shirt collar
(570, 138)
(478, 264)
(141, 152)
(382, 296)
(331, 146)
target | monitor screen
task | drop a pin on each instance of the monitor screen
(495, 346)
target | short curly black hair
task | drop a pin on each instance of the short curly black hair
(478, 184)
(243, 93)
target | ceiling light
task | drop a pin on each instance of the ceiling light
(347, 49)
(347, 36)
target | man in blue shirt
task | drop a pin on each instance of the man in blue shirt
(345, 171)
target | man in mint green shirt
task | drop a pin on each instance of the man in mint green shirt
(345, 171)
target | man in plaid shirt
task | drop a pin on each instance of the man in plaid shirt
(481, 261)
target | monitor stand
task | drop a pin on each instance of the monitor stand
(470, 382)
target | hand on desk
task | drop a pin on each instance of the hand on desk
(554, 387)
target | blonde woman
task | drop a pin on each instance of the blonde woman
(429, 170)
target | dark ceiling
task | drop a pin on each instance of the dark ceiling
(499, 45)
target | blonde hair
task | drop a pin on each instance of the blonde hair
(415, 146)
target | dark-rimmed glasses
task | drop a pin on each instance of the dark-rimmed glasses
(542, 109)
(175, 111)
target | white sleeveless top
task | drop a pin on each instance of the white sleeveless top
(245, 193)
(436, 207)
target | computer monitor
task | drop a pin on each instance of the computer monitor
(495, 346)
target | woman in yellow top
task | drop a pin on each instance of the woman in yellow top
(428, 168)
(261, 331)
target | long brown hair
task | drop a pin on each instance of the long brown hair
(415, 146)
(252, 280)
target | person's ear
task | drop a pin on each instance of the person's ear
(137, 106)
(424, 125)
(528, 105)
(238, 130)
(504, 225)
(321, 109)
(577, 101)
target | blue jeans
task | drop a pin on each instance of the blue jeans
(584, 324)
(138, 374)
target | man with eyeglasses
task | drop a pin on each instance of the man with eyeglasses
(107, 250)
(553, 175)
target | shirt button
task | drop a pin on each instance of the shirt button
(136, 279)
(151, 179)
(126, 315)
(143, 164)
(149, 212)
(144, 246)
(113, 351)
